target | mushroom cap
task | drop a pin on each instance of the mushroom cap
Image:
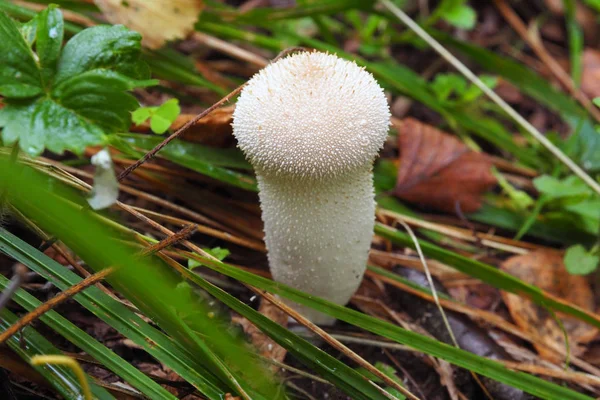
(311, 116)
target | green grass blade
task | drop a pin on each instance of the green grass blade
(338, 373)
(487, 274)
(480, 365)
(85, 342)
(30, 343)
(61, 215)
(116, 315)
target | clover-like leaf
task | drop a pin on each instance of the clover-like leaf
(66, 98)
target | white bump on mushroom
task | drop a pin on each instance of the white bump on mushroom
(311, 124)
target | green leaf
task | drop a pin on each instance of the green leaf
(168, 111)
(114, 48)
(488, 274)
(28, 30)
(217, 252)
(446, 84)
(461, 16)
(159, 124)
(49, 38)
(74, 97)
(19, 73)
(579, 261)
(47, 124)
(555, 188)
(140, 115)
(99, 96)
(206, 338)
(115, 314)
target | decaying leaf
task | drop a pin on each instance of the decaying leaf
(590, 75)
(546, 270)
(171, 19)
(437, 170)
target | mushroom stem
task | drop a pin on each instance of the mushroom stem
(318, 234)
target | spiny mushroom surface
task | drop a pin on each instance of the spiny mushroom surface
(311, 124)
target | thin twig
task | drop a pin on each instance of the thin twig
(401, 15)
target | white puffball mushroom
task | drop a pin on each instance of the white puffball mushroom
(311, 125)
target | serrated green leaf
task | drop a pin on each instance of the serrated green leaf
(49, 38)
(47, 124)
(579, 261)
(100, 97)
(19, 73)
(84, 87)
(114, 48)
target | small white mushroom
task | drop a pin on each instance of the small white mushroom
(311, 124)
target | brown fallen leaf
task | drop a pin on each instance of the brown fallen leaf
(266, 346)
(590, 74)
(171, 19)
(437, 170)
(546, 270)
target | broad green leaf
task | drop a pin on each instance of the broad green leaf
(100, 97)
(19, 73)
(114, 48)
(168, 112)
(82, 340)
(47, 124)
(579, 261)
(67, 100)
(29, 343)
(49, 38)
(555, 188)
(159, 124)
